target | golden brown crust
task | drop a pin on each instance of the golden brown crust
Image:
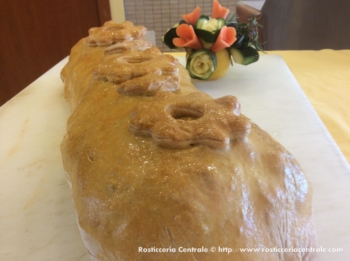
(111, 33)
(130, 193)
(140, 72)
(178, 122)
(136, 45)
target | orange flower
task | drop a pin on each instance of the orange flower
(219, 11)
(188, 37)
(226, 38)
(192, 18)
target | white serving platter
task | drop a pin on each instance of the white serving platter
(37, 216)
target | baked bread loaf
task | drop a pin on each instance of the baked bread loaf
(161, 171)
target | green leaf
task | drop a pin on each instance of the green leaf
(168, 38)
(245, 55)
(206, 35)
(232, 17)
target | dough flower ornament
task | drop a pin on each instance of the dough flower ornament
(211, 43)
(179, 122)
(111, 33)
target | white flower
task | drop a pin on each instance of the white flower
(211, 25)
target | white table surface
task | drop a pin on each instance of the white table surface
(37, 217)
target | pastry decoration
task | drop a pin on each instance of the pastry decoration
(136, 45)
(178, 122)
(140, 73)
(149, 84)
(111, 33)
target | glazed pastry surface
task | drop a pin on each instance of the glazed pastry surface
(154, 162)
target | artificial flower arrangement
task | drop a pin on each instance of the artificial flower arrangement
(211, 43)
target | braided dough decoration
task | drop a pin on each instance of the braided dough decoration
(178, 122)
(140, 73)
(111, 33)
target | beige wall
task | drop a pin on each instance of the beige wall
(117, 10)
